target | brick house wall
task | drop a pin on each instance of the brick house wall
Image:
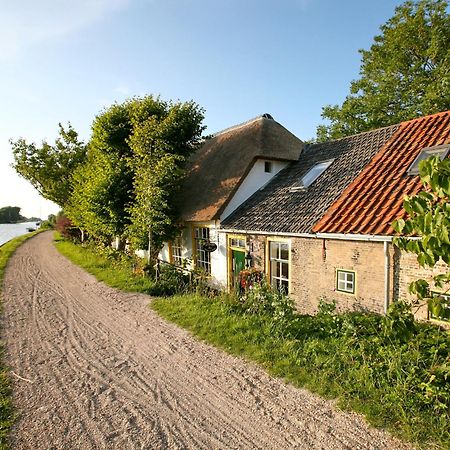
(313, 274)
(407, 269)
(313, 271)
(313, 264)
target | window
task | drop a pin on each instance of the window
(315, 172)
(279, 265)
(237, 242)
(440, 311)
(202, 257)
(267, 167)
(438, 150)
(177, 248)
(345, 281)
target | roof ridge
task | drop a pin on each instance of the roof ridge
(242, 124)
(358, 134)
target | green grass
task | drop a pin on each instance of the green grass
(114, 273)
(378, 379)
(6, 408)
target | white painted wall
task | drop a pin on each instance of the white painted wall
(219, 258)
(255, 179)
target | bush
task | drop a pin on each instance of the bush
(65, 227)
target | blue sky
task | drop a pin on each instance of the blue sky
(64, 60)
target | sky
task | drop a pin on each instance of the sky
(64, 61)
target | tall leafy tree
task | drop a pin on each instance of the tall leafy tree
(136, 155)
(161, 145)
(49, 168)
(405, 73)
(102, 186)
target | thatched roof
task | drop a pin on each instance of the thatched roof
(222, 162)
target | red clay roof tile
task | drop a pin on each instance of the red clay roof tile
(375, 198)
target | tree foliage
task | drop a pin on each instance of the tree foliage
(405, 74)
(49, 168)
(102, 186)
(136, 156)
(10, 214)
(161, 145)
(428, 227)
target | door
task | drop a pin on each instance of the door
(237, 264)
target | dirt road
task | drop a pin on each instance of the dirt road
(100, 370)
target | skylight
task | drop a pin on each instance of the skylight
(438, 150)
(315, 172)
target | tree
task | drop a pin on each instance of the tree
(49, 168)
(128, 184)
(10, 214)
(161, 147)
(428, 229)
(405, 74)
(102, 185)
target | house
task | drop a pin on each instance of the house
(322, 227)
(227, 169)
(314, 218)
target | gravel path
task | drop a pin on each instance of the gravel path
(100, 370)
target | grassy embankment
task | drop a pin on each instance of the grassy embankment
(6, 409)
(401, 383)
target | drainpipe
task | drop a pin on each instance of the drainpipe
(387, 266)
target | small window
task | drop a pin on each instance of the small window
(177, 249)
(441, 311)
(345, 281)
(315, 172)
(279, 265)
(267, 167)
(202, 257)
(237, 242)
(438, 150)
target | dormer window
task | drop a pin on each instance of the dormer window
(268, 166)
(315, 172)
(438, 150)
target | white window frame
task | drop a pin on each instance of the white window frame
(281, 280)
(438, 150)
(314, 172)
(344, 283)
(202, 257)
(177, 251)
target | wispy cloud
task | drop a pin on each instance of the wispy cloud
(27, 23)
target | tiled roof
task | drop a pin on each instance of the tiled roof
(221, 163)
(277, 208)
(374, 199)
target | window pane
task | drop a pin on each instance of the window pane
(285, 270)
(274, 250)
(284, 252)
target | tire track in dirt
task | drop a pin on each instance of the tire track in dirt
(108, 373)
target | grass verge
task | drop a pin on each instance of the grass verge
(6, 408)
(388, 382)
(114, 273)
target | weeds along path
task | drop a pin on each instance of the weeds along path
(95, 368)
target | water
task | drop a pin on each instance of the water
(9, 231)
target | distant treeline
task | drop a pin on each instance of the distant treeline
(11, 214)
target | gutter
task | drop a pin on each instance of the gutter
(340, 236)
(387, 267)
